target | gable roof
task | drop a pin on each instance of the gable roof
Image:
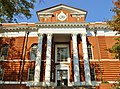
(62, 6)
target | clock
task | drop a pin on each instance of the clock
(61, 16)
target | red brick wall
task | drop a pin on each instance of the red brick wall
(110, 69)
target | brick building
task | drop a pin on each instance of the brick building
(61, 49)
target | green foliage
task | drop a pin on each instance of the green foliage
(115, 22)
(118, 84)
(116, 48)
(9, 9)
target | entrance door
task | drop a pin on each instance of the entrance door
(62, 70)
(62, 78)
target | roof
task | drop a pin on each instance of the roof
(61, 5)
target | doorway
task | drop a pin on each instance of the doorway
(62, 78)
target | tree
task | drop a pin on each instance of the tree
(115, 22)
(116, 48)
(9, 9)
(115, 26)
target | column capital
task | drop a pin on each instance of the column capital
(74, 34)
(49, 34)
(83, 34)
(40, 34)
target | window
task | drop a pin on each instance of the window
(92, 72)
(62, 77)
(4, 52)
(33, 52)
(1, 73)
(31, 74)
(89, 51)
(62, 53)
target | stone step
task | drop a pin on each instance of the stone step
(64, 87)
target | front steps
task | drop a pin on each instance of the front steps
(64, 87)
(23, 86)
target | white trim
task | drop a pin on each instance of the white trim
(62, 67)
(62, 45)
(18, 34)
(16, 60)
(61, 30)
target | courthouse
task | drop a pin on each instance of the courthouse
(62, 49)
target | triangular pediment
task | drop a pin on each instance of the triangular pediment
(62, 7)
(64, 10)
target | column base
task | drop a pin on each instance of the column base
(45, 84)
(88, 83)
(76, 83)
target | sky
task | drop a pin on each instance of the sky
(98, 10)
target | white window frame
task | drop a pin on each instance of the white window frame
(62, 45)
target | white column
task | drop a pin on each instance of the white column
(75, 61)
(86, 61)
(48, 60)
(38, 60)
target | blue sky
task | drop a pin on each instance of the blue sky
(98, 10)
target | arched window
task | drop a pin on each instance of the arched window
(89, 48)
(33, 52)
(4, 51)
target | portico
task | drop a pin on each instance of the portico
(61, 38)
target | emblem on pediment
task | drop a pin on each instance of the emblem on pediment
(62, 16)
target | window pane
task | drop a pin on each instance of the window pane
(62, 54)
(33, 53)
(1, 73)
(89, 51)
(92, 74)
(31, 74)
(4, 51)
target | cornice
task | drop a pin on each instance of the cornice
(98, 26)
(17, 28)
(8, 27)
(61, 25)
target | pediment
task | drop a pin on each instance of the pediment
(53, 13)
(62, 7)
